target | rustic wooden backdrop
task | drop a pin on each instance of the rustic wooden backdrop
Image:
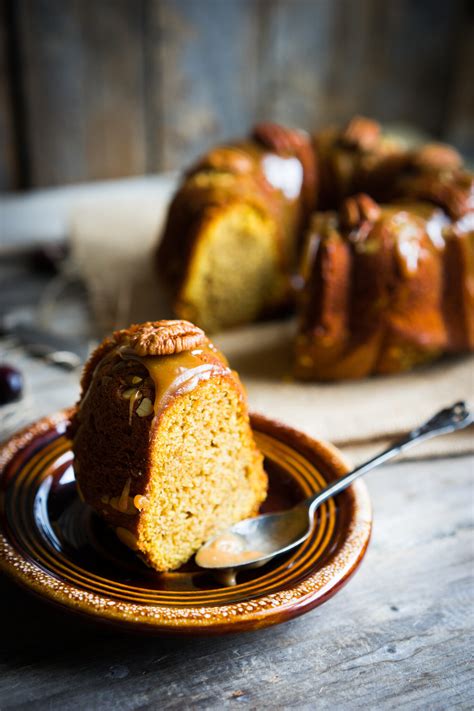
(93, 89)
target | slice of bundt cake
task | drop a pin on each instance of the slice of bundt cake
(163, 448)
(230, 241)
(387, 288)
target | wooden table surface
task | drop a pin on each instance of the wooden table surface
(399, 635)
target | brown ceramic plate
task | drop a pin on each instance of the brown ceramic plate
(55, 546)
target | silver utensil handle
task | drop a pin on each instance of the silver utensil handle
(447, 420)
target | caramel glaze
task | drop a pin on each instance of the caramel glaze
(179, 373)
(225, 551)
(428, 249)
(406, 221)
(285, 175)
(273, 170)
(416, 229)
(172, 375)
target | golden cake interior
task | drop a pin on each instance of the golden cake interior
(218, 289)
(205, 475)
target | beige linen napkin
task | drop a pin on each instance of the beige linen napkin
(113, 243)
(359, 416)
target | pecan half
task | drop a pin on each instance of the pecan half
(279, 138)
(158, 338)
(224, 158)
(454, 192)
(436, 156)
(358, 209)
(362, 133)
(298, 143)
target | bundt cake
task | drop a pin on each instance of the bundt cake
(387, 287)
(163, 448)
(230, 240)
(236, 223)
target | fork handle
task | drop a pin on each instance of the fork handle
(450, 419)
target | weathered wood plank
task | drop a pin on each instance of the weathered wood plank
(9, 168)
(413, 50)
(322, 62)
(114, 87)
(206, 57)
(295, 61)
(459, 123)
(83, 76)
(124, 87)
(51, 57)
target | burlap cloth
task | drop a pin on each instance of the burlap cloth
(112, 246)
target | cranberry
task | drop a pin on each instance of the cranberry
(11, 384)
(48, 258)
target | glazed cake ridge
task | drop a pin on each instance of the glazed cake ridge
(385, 290)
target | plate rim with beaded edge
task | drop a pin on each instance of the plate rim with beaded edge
(307, 577)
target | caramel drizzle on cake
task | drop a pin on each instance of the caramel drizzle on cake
(176, 374)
